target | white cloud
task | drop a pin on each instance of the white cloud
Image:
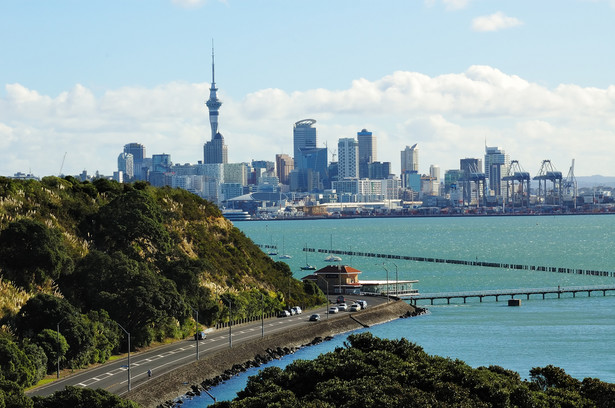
(495, 22)
(449, 5)
(450, 116)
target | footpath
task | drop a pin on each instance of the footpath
(160, 391)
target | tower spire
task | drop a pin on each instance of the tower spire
(213, 76)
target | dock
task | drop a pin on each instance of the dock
(512, 293)
(483, 264)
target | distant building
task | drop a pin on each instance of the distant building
(379, 170)
(336, 279)
(367, 152)
(304, 137)
(139, 166)
(496, 164)
(410, 159)
(284, 164)
(125, 165)
(214, 151)
(348, 158)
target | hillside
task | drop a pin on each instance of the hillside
(86, 254)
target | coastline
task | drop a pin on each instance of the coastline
(163, 389)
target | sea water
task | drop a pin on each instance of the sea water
(575, 334)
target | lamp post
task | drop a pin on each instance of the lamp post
(385, 268)
(58, 343)
(262, 315)
(196, 330)
(230, 323)
(396, 280)
(326, 283)
(128, 335)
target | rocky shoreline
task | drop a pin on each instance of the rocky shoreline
(199, 376)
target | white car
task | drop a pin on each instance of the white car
(284, 313)
(342, 306)
(333, 310)
(297, 310)
(355, 307)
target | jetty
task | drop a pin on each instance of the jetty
(483, 264)
(513, 293)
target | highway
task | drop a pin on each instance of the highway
(113, 376)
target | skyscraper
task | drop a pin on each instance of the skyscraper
(348, 155)
(367, 151)
(284, 164)
(410, 159)
(496, 164)
(214, 151)
(125, 164)
(304, 136)
(137, 151)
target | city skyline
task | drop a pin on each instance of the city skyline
(497, 74)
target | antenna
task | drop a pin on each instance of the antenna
(213, 80)
(62, 165)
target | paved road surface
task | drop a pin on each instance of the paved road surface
(113, 376)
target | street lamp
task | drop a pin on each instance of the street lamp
(327, 283)
(58, 342)
(230, 323)
(196, 330)
(262, 315)
(396, 280)
(128, 335)
(385, 268)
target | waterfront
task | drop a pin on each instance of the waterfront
(575, 334)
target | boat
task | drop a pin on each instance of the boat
(236, 215)
(307, 266)
(331, 257)
(284, 256)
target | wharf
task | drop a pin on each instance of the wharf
(510, 292)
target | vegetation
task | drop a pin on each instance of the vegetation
(372, 372)
(76, 257)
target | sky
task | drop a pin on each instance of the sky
(80, 79)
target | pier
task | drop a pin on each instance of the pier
(536, 292)
(484, 264)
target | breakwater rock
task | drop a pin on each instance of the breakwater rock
(213, 368)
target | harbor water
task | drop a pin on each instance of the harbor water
(575, 334)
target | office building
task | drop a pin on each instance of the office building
(367, 151)
(304, 137)
(347, 156)
(284, 164)
(496, 165)
(125, 165)
(137, 151)
(410, 159)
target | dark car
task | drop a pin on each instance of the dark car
(200, 335)
(340, 299)
(315, 317)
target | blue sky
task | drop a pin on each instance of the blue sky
(86, 77)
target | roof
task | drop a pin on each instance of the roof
(337, 269)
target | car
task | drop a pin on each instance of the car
(363, 303)
(284, 313)
(340, 299)
(200, 335)
(297, 310)
(355, 307)
(333, 310)
(315, 317)
(342, 306)
(291, 311)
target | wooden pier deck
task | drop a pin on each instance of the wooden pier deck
(559, 291)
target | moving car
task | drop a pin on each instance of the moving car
(333, 310)
(200, 335)
(297, 310)
(340, 299)
(342, 306)
(363, 303)
(284, 313)
(315, 317)
(355, 307)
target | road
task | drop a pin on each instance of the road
(113, 376)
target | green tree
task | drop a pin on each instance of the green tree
(55, 347)
(15, 365)
(31, 253)
(38, 357)
(75, 397)
(12, 395)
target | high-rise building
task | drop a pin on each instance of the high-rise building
(125, 164)
(367, 151)
(434, 173)
(347, 156)
(284, 164)
(137, 151)
(304, 136)
(496, 163)
(214, 151)
(410, 159)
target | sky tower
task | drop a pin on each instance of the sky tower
(215, 151)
